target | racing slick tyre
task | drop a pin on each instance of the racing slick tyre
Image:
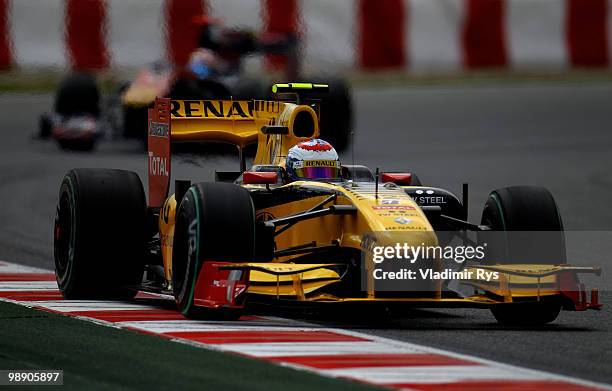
(44, 127)
(526, 314)
(214, 221)
(337, 115)
(249, 89)
(77, 145)
(524, 209)
(78, 94)
(135, 122)
(100, 234)
(189, 89)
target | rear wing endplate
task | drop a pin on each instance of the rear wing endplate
(159, 152)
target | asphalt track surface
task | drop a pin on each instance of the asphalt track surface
(558, 136)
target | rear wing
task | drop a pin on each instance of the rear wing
(231, 121)
(274, 125)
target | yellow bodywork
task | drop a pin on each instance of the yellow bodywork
(237, 122)
(242, 123)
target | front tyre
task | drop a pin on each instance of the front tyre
(526, 314)
(215, 222)
(85, 145)
(100, 234)
(45, 126)
(523, 210)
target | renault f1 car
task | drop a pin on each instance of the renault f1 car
(255, 236)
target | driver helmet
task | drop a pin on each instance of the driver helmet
(204, 64)
(314, 159)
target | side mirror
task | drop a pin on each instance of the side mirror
(259, 178)
(399, 178)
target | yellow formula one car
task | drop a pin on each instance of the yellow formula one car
(295, 228)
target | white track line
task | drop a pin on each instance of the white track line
(168, 326)
(293, 349)
(487, 362)
(432, 374)
(88, 305)
(486, 370)
(20, 286)
(7, 267)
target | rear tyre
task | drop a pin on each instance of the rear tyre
(337, 115)
(100, 234)
(248, 89)
(215, 221)
(135, 122)
(78, 94)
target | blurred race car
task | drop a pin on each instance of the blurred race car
(75, 122)
(214, 71)
(295, 228)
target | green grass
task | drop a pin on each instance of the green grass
(96, 357)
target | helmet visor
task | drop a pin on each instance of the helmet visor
(318, 172)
